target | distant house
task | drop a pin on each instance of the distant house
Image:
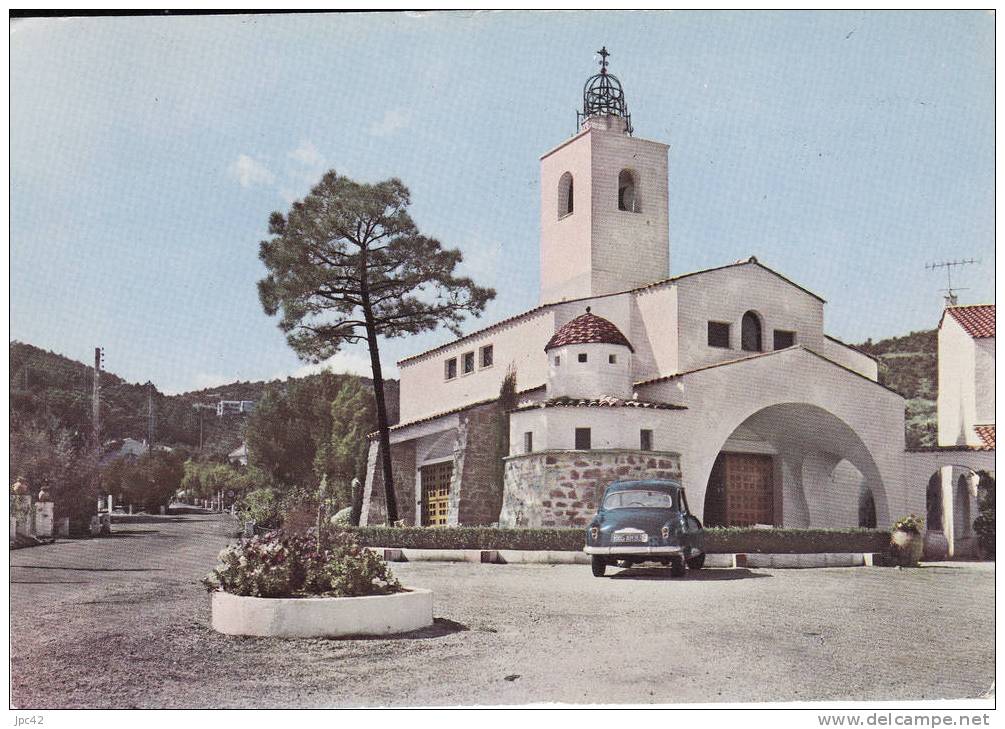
(239, 455)
(967, 376)
(126, 448)
(234, 407)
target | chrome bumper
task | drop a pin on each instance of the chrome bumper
(633, 550)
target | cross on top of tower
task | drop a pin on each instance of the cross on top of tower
(604, 53)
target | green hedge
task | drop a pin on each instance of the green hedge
(717, 539)
(471, 538)
(794, 541)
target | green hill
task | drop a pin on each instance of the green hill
(909, 365)
(46, 387)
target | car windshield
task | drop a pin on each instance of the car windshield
(643, 498)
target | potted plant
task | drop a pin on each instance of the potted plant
(300, 586)
(906, 541)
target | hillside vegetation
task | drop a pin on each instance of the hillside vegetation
(909, 366)
(48, 388)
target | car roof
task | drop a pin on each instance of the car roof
(654, 484)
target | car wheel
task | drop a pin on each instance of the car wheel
(677, 568)
(599, 565)
(696, 563)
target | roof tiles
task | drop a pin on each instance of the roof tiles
(978, 321)
(588, 329)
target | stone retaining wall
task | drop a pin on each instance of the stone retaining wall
(563, 488)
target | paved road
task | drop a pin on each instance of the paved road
(123, 622)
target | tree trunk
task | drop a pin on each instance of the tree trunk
(378, 394)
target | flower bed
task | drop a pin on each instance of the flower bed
(717, 539)
(295, 586)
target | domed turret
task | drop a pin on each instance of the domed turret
(589, 357)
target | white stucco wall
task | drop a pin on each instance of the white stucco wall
(629, 248)
(654, 333)
(425, 391)
(725, 295)
(957, 385)
(850, 358)
(984, 380)
(599, 249)
(596, 377)
(565, 242)
(554, 428)
(720, 399)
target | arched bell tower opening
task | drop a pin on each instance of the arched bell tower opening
(566, 200)
(589, 245)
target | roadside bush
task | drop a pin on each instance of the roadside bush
(260, 506)
(717, 539)
(984, 525)
(284, 565)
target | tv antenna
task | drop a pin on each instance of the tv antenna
(950, 292)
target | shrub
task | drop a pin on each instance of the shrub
(283, 565)
(260, 506)
(717, 539)
(342, 518)
(912, 524)
(984, 525)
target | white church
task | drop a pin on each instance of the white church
(723, 378)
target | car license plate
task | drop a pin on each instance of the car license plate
(635, 538)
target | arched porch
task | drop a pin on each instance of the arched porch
(794, 465)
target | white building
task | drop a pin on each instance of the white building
(723, 378)
(966, 430)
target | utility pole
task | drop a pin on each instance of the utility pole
(201, 407)
(96, 400)
(950, 292)
(150, 415)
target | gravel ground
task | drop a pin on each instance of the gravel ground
(122, 622)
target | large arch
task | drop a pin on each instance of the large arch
(820, 466)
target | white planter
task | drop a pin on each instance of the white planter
(322, 617)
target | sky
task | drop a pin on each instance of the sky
(844, 149)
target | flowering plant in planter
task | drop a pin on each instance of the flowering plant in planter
(283, 565)
(906, 542)
(912, 524)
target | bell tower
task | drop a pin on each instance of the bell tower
(604, 201)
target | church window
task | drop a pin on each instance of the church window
(469, 362)
(582, 356)
(646, 439)
(558, 360)
(528, 442)
(628, 196)
(612, 359)
(450, 368)
(784, 339)
(750, 333)
(718, 334)
(582, 439)
(486, 356)
(565, 197)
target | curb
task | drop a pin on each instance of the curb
(533, 556)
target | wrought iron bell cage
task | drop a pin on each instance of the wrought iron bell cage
(603, 95)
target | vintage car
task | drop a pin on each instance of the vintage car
(645, 521)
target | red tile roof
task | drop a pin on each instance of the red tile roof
(978, 321)
(987, 436)
(588, 329)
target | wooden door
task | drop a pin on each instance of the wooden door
(436, 492)
(749, 487)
